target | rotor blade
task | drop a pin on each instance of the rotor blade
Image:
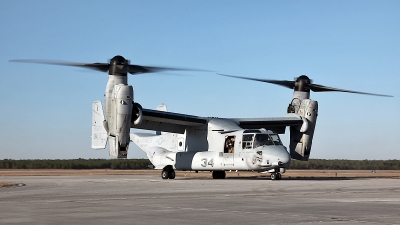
(136, 69)
(320, 88)
(284, 83)
(95, 66)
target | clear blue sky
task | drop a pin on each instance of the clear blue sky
(46, 110)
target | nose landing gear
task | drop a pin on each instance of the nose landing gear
(276, 176)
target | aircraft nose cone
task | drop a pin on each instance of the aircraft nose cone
(285, 158)
(278, 156)
(282, 157)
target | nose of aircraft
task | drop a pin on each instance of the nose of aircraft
(277, 155)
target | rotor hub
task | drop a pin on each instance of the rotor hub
(302, 83)
(118, 60)
(118, 66)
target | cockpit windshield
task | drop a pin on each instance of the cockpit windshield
(261, 140)
(250, 141)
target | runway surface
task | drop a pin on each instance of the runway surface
(147, 199)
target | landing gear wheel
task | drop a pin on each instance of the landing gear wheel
(168, 172)
(222, 175)
(171, 175)
(276, 176)
(165, 174)
(218, 174)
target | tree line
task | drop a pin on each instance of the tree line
(123, 164)
(132, 164)
(342, 164)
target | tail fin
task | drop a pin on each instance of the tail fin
(163, 108)
(99, 133)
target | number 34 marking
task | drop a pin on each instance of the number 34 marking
(207, 163)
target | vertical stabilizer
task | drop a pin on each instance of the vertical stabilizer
(99, 134)
(163, 108)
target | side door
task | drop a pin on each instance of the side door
(229, 150)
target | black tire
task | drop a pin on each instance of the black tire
(165, 174)
(218, 174)
(222, 175)
(171, 175)
(279, 176)
(273, 176)
(215, 174)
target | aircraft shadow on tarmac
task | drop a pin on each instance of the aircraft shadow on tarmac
(283, 179)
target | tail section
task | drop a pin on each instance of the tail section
(154, 147)
(163, 108)
(159, 143)
(99, 133)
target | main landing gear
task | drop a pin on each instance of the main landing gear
(276, 176)
(219, 174)
(168, 173)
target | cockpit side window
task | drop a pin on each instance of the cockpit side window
(247, 141)
(276, 139)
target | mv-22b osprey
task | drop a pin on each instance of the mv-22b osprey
(193, 143)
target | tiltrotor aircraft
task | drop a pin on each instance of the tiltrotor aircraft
(193, 143)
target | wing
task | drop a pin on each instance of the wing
(277, 124)
(177, 123)
(168, 121)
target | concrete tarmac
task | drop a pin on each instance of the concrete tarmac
(147, 199)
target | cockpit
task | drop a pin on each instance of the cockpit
(255, 138)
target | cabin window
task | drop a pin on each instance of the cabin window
(247, 142)
(229, 144)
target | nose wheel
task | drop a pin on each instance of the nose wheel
(276, 176)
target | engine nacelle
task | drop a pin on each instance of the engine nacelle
(120, 122)
(137, 114)
(301, 136)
